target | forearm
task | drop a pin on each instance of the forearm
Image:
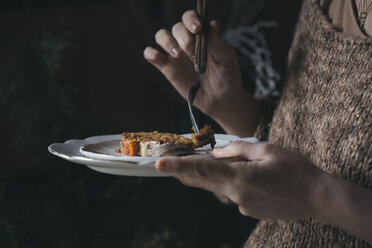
(344, 205)
(240, 115)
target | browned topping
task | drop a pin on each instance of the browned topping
(156, 136)
(118, 150)
(205, 137)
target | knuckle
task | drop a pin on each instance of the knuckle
(239, 144)
(244, 211)
(188, 13)
(236, 147)
(249, 210)
(177, 27)
(185, 181)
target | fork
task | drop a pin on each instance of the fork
(190, 101)
(200, 61)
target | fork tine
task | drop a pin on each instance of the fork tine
(190, 101)
(196, 128)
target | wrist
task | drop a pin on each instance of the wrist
(320, 196)
(237, 113)
(342, 204)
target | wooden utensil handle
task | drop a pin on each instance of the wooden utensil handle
(200, 61)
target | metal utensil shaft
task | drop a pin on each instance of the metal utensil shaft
(200, 60)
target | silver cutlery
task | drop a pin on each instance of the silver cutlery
(200, 60)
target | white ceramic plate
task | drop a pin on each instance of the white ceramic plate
(98, 153)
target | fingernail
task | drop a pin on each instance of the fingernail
(195, 26)
(176, 51)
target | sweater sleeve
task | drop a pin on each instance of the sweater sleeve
(269, 105)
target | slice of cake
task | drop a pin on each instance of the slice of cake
(155, 144)
(205, 137)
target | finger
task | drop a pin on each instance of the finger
(249, 151)
(192, 21)
(203, 168)
(155, 57)
(164, 39)
(184, 38)
(171, 67)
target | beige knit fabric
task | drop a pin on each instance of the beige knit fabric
(325, 112)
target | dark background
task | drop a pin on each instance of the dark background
(74, 69)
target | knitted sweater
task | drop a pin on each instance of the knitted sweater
(325, 113)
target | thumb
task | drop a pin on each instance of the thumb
(247, 150)
(217, 48)
(203, 168)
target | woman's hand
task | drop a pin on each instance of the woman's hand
(274, 183)
(278, 184)
(221, 88)
(222, 78)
